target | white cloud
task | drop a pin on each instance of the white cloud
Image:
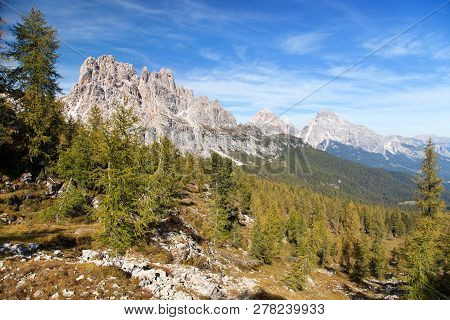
(304, 43)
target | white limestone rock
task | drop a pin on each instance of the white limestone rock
(194, 124)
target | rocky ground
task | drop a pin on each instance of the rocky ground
(66, 261)
(27, 272)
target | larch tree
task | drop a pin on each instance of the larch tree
(430, 185)
(423, 258)
(35, 52)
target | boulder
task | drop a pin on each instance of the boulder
(89, 255)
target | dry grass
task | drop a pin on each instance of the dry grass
(152, 252)
(52, 236)
(21, 280)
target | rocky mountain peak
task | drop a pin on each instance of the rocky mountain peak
(327, 113)
(269, 123)
(327, 126)
(105, 81)
(194, 124)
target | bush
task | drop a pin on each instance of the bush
(74, 202)
(296, 278)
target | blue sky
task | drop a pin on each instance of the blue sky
(269, 54)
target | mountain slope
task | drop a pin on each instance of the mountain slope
(334, 176)
(339, 137)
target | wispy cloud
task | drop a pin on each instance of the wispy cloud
(304, 43)
(384, 94)
(430, 45)
(136, 7)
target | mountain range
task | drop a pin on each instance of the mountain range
(201, 126)
(332, 133)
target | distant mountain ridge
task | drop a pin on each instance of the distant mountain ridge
(270, 124)
(330, 132)
(337, 136)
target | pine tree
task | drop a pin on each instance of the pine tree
(378, 258)
(420, 257)
(121, 180)
(265, 238)
(223, 183)
(362, 258)
(216, 165)
(430, 185)
(82, 161)
(34, 50)
(423, 258)
(12, 138)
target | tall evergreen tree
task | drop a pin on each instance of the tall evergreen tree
(11, 133)
(430, 185)
(361, 257)
(378, 258)
(121, 180)
(35, 52)
(423, 257)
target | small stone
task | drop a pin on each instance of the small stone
(81, 277)
(89, 255)
(67, 293)
(57, 253)
(115, 286)
(20, 284)
(55, 296)
(37, 294)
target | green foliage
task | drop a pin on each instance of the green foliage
(296, 278)
(378, 261)
(73, 202)
(424, 256)
(420, 259)
(34, 51)
(265, 236)
(223, 184)
(323, 229)
(244, 195)
(361, 267)
(121, 179)
(430, 185)
(333, 176)
(139, 182)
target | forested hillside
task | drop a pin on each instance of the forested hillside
(325, 173)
